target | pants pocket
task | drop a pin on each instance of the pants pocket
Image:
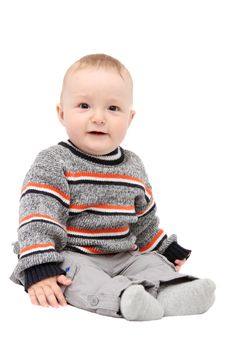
(165, 259)
(70, 267)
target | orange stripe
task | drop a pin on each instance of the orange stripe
(151, 243)
(47, 187)
(119, 229)
(107, 176)
(103, 206)
(33, 246)
(37, 215)
(88, 174)
(149, 204)
(96, 251)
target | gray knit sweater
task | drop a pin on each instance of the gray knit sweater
(89, 204)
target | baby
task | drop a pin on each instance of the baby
(88, 231)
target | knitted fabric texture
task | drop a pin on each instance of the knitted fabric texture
(90, 204)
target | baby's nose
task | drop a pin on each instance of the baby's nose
(98, 117)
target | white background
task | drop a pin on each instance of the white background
(180, 55)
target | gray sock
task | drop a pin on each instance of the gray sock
(138, 305)
(189, 298)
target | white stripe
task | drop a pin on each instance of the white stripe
(40, 218)
(103, 210)
(105, 157)
(37, 249)
(99, 234)
(48, 191)
(155, 243)
(147, 209)
(109, 179)
(148, 194)
(86, 250)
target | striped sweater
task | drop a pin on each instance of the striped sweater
(89, 204)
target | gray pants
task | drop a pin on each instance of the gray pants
(99, 280)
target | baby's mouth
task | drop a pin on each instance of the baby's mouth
(97, 133)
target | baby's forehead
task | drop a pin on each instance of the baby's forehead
(74, 72)
(94, 77)
(83, 74)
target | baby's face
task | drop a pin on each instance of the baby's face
(96, 109)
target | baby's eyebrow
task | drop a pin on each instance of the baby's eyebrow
(114, 99)
(82, 96)
(110, 99)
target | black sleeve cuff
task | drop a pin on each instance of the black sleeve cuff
(175, 251)
(37, 273)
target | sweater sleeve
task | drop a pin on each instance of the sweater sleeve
(37, 273)
(43, 213)
(149, 236)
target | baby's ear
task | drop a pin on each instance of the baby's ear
(132, 114)
(60, 113)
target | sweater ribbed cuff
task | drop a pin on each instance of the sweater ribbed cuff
(37, 273)
(175, 251)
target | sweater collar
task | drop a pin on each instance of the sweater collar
(113, 158)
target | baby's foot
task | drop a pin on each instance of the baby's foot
(138, 305)
(187, 298)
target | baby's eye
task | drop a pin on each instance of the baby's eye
(113, 108)
(83, 105)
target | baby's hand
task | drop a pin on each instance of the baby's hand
(179, 263)
(47, 292)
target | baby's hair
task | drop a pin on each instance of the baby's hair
(98, 61)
